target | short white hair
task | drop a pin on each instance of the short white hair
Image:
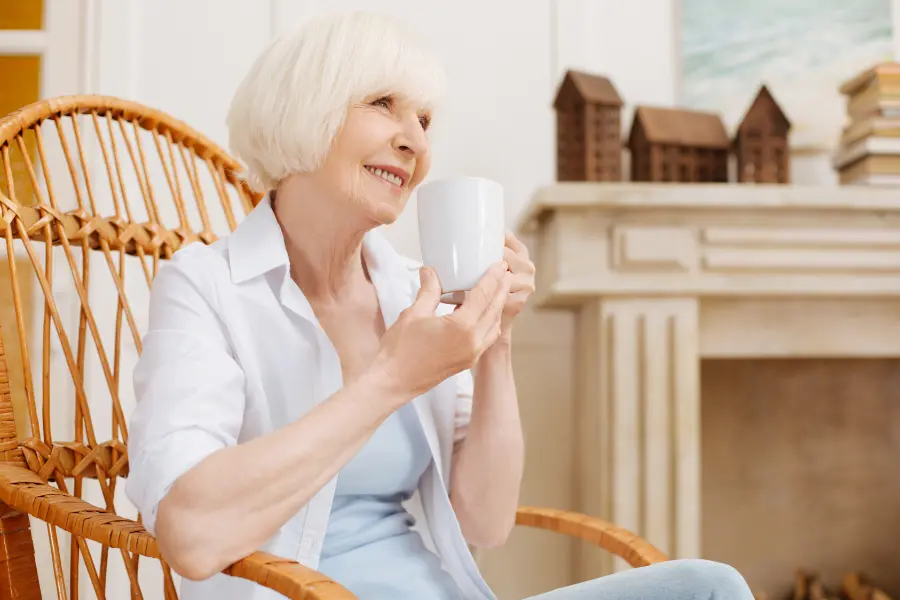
(287, 111)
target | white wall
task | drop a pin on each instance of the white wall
(181, 56)
(504, 60)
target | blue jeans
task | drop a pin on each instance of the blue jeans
(686, 579)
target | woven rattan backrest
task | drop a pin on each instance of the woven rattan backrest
(114, 187)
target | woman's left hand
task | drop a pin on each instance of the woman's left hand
(522, 286)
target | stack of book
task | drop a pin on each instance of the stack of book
(869, 150)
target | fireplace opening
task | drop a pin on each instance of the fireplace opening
(801, 474)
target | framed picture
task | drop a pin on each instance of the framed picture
(802, 50)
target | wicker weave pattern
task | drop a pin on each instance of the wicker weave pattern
(114, 188)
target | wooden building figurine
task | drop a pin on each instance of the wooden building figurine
(761, 142)
(588, 129)
(677, 145)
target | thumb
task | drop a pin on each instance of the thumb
(429, 295)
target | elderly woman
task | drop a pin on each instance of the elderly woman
(300, 381)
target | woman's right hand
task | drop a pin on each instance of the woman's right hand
(421, 349)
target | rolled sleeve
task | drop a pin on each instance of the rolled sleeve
(156, 469)
(190, 391)
(465, 389)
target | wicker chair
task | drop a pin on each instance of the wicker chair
(98, 188)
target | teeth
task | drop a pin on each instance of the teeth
(386, 176)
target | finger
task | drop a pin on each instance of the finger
(479, 297)
(522, 282)
(518, 263)
(509, 255)
(519, 297)
(513, 242)
(494, 312)
(429, 295)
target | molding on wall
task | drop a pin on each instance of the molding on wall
(26, 42)
(677, 79)
(62, 69)
(553, 22)
(895, 22)
(88, 50)
(112, 39)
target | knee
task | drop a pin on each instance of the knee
(713, 580)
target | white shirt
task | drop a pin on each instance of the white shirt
(234, 351)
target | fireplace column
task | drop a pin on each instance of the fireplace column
(638, 409)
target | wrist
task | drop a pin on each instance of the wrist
(381, 383)
(504, 341)
(499, 353)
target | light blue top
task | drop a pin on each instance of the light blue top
(369, 546)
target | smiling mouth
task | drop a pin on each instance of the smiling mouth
(386, 176)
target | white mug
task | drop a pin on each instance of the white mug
(461, 231)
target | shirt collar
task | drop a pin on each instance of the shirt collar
(256, 247)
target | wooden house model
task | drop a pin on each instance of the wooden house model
(675, 145)
(588, 129)
(761, 142)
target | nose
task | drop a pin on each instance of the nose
(410, 139)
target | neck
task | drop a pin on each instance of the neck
(323, 244)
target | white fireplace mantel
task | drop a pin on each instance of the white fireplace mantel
(664, 275)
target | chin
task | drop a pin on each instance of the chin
(382, 203)
(385, 214)
(385, 211)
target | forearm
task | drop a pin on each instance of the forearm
(232, 502)
(487, 468)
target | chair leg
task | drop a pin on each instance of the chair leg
(18, 570)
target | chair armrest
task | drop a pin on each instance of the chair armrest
(288, 578)
(24, 491)
(636, 551)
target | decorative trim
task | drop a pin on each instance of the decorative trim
(816, 237)
(777, 260)
(639, 404)
(659, 249)
(23, 42)
(895, 19)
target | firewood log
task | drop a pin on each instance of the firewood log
(856, 587)
(801, 587)
(817, 589)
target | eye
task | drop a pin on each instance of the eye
(384, 102)
(425, 121)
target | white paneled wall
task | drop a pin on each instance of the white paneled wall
(497, 121)
(504, 59)
(635, 44)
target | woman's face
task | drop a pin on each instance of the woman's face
(379, 156)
